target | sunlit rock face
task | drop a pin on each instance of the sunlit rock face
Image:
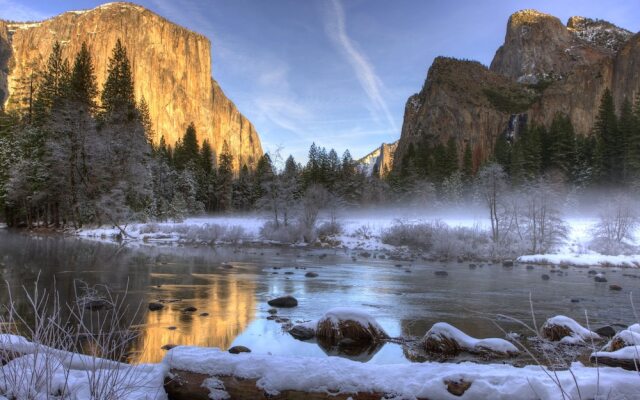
(171, 66)
(380, 161)
(543, 68)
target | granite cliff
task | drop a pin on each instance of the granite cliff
(543, 67)
(171, 66)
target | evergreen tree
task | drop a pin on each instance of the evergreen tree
(626, 129)
(610, 147)
(263, 175)
(55, 84)
(84, 88)
(242, 190)
(187, 153)
(224, 185)
(145, 119)
(118, 96)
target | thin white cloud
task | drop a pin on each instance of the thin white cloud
(15, 11)
(369, 80)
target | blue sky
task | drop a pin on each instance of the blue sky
(337, 72)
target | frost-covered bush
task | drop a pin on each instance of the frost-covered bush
(415, 235)
(441, 240)
(329, 228)
(615, 230)
(281, 233)
(364, 232)
(234, 234)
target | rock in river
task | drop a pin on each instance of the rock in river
(155, 306)
(239, 349)
(284, 302)
(311, 274)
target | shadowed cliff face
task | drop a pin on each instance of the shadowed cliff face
(543, 68)
(171, 66)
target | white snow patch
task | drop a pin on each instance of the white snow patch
(25, 377)
(423, 380)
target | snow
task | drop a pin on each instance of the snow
(444, 330)
(625, 353)
(216, 389)
(23, 377)
(424, 380)
(337, 314)
(578, 333)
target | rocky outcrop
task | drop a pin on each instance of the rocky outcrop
(171, 66)
(538, 46)
(380, 161)
(463, 100)
(543, 68)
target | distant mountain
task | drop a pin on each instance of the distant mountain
(544, 67)
(171, 66)
(380, 161)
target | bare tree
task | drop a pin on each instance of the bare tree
(314, 199)
(492, 187)
(617, 223)
(539, 219)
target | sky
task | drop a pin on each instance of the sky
(337, 72)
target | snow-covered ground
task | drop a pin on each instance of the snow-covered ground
(408, 381)
(360, 230)
(24, 377)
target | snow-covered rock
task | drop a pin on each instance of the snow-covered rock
(567, 331)
(445, 338)
(350, 324)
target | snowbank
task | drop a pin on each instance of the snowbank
(36, 371)
(425, 380)
(567, 330)
(584, 260)
(446, 338)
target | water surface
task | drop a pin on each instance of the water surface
(233, 285)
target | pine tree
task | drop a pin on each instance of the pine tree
(84, 88)
(263, 174)
(54, 86)
(626, 128)
(242, 190)
(224, 188)
(118, 96)
(610, 147)
(187, 152)
(145, 118)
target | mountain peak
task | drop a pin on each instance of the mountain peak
(599, 33)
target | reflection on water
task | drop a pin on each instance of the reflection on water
(405, 304)
(229, 303)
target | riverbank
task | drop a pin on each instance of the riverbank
(361, 232)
